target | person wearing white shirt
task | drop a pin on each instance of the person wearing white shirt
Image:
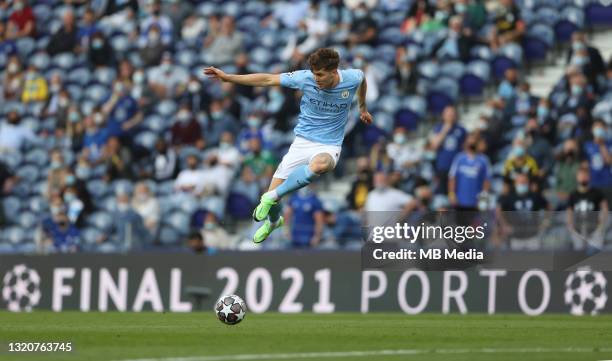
(384, 204)
(13, 135)
(405, 155)
(146, 206)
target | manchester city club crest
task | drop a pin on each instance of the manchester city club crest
(345, 94)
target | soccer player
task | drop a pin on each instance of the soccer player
(327, 94)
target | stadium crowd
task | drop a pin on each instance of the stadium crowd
(111, 139)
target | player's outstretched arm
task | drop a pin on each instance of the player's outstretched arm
(364, 115)
(258, 79)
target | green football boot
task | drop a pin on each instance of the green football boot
(264, 231)
(263, 208)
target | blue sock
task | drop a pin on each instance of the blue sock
(274, 213)
(300, 177)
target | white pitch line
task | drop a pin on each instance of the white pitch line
(307, 355)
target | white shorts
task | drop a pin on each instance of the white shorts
(301, 152)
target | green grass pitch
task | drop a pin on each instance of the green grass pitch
(199, 336)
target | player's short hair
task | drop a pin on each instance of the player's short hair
(324, 58)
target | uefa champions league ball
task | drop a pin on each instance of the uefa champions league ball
(230, 309)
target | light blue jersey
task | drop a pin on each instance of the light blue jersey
(323, 112)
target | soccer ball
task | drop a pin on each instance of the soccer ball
(21, 288)
(585, 292)
(230, 309)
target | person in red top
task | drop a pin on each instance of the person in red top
(21, 22)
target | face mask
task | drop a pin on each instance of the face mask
(542, 112)
(360, 13)
(56, 165)
(523, 95)
(183, 117)
(577, 46)
(83, 172)
(70, 180)
(460, 8)
(482, 125)
(97, 43)
(358, 63)
(224, 145)
(522, 189)
(440, 15)
(69, 197)
(194, 87)
(253, 122)
(73, 117)
(166, 67)
(18, 6)
(98, 118)
(599, 132)
(63, 102)
(518, 151)
(55, 210)
(55, 88)
(216, 115)
(138, 78)
(209, 226)
(142, 197)
(579, 60)
(13, 68)
(576, 90)
(399, 138)
(122, 207)
(118, 88)
(30, 75)
(154, 37)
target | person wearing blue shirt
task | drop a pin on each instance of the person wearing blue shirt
(599, 155)
(469, 176)
(62, 234)
(327, 94)
(121, 111)
(304, 216)
(447, 141)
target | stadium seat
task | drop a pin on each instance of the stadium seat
(64, 61)
(169, 236)
(146, 139)
(471, 85)
(535, 48)
(98, 188)
(27, 220)
(407, 118)
(166, 108)
(25, 47)
(547, 15)
(100, 220)
(122, 186)
(372, 135)
(14, 235)
(97, 93)
(598, 14)
(452, 69)
(105, 75)
(239, 206)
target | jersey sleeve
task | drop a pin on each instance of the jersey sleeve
(294, 79)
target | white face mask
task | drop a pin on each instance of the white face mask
(98, 118)
(138, 78)
(122, 207)
(13, 68)
(194, 87)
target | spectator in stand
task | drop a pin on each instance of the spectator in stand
(7, 181)
(599, 154)
(447, 141)
(14, 135)
(260, 162)
(65, 39)
(538, 147)
(338, 17)
(186, 130)
(121, 111)
(523, 105)
(87, 28)
(252, 130)
(13, 80)
(127, 230)
(61, 235)
(587, 213)
(248, 185)
(59, 98)
(7, 46)
(35, 88)
(316, 29)
(189, 180)
(457, 43)
(156, 20)
(96, 136)
(118, 160)
(304, 218)
(56, 179)
(509, 27)
(519, 162)
(147, 206)
(219, 121)
(21, 23)
(469, 176)
(165, 162)
(152, 49)
(363, 29)
(167, 80)
(74, 206)
(216, 237)
(508, 87)
(419, 13)
(588, 58)
(566, 169)
(385, 203)
(223, 43)
(361, 186)
(406, 155)
(474, 13)
(193, 28)
(520, 217)
(195, 242)
(100, 52)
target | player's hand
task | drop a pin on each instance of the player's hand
(365, 117)
(215, 73)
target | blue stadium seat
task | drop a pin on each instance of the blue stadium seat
(471, 85)
(97, 93)
(98, 188)
(407, 118)
(64, 60)
(80, 75)
(598, 14)
(452, 69)
(38, 204)
(28, 173)
(239, 206)
(547, 15)
(146, 139)
(166, 108)
(372, 135)
(179, 220)
(120, 43)
(100, 220)
(14, 235)
(27, 220)
(105, 75)
(535, 48)
(25, 47)
(169, 236)
(122, 186)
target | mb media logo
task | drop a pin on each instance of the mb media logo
(585, 292)
(21, 288)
